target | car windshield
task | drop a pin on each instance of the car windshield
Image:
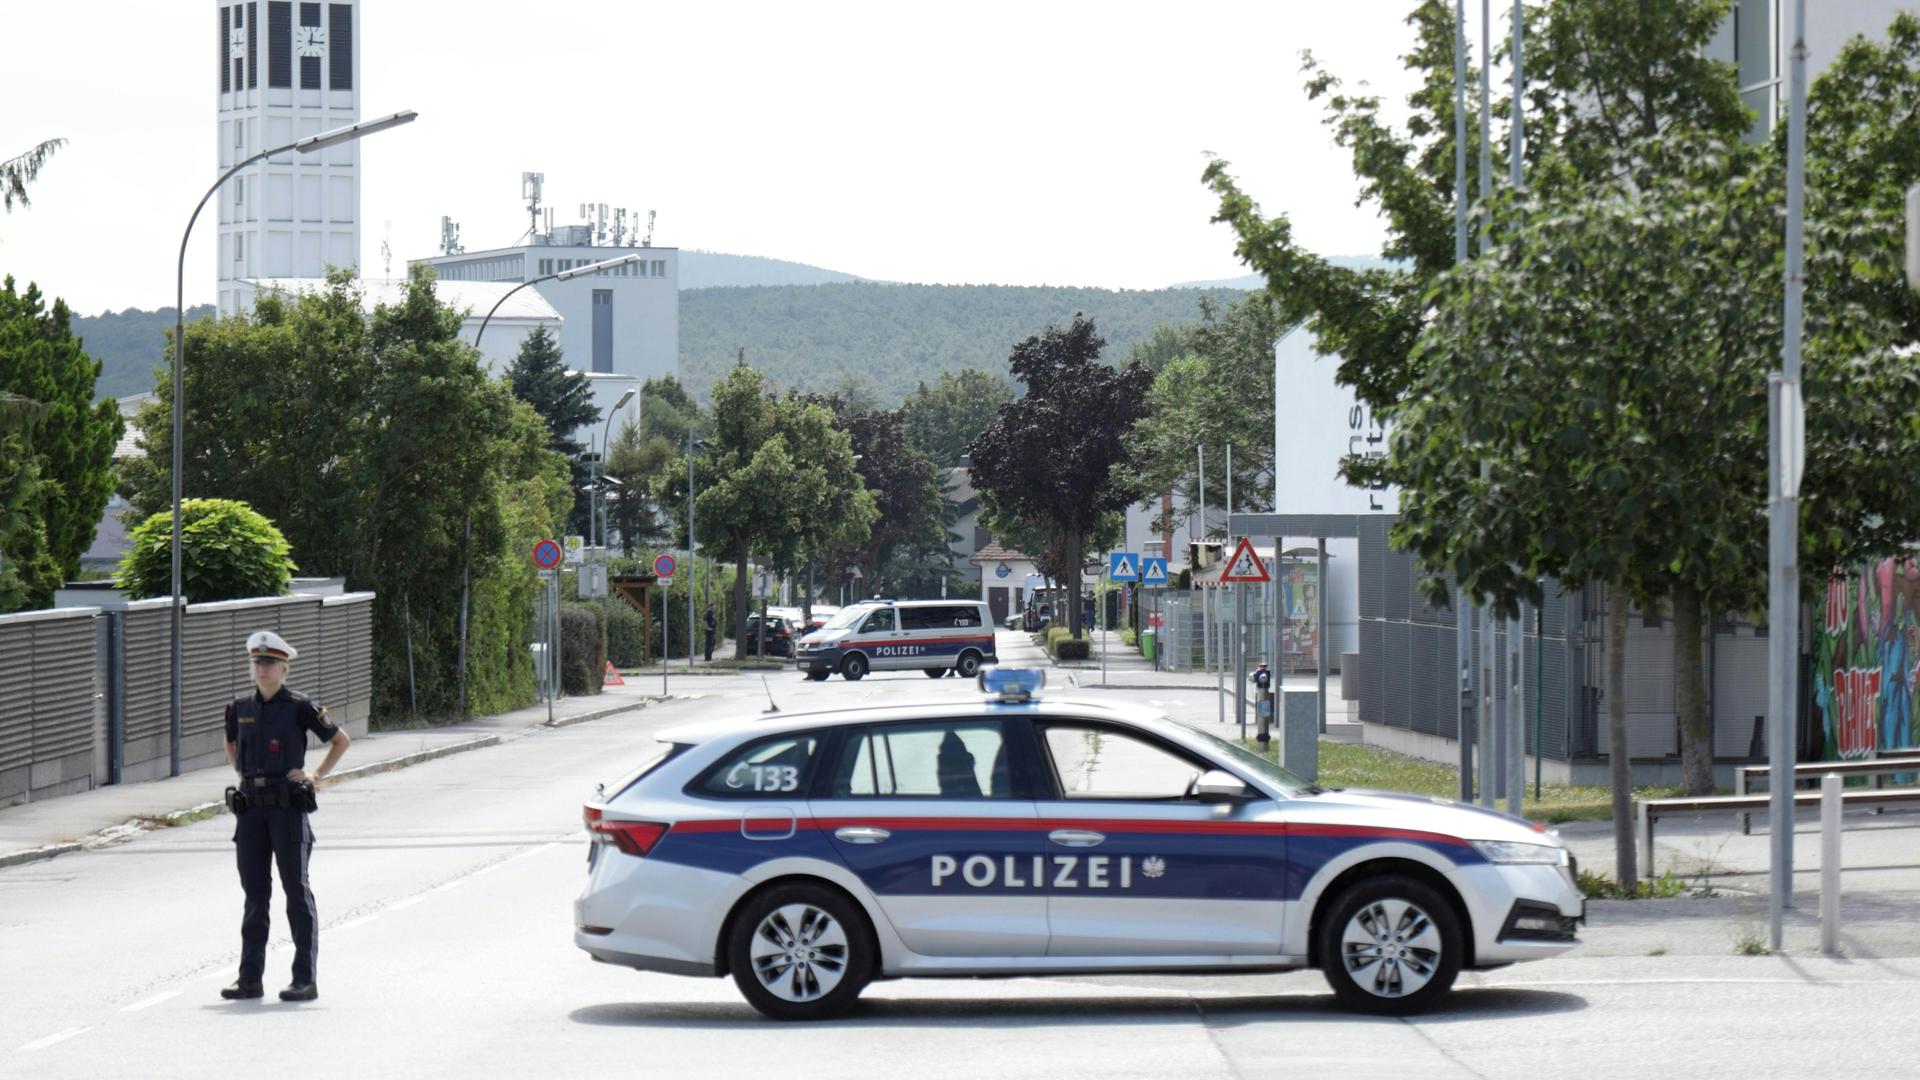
(847, 617)
(1268, 769)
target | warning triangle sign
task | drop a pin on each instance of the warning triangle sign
(1245, 567)
(613, 676)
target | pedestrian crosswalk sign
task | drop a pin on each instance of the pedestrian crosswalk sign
(1123, 566)
(1153, 570)
(1245, 568)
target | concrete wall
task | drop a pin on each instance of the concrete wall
(82, 689)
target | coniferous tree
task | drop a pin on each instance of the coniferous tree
(564, 399)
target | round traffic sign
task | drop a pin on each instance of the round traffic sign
(664, 566)
(547, 554)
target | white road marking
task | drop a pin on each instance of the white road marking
(59, 1036)
(351, 923)
(152, 1001)
(454, 884)
(1655, 980)
(399, 905)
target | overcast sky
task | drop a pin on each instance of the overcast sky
(986, 143)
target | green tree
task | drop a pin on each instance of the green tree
(58, 433)
(908, 534)
(778, 479)
(564, 399)
(941, 419)
(228, 551)
(16, 173)
(420, 478)
(1219, 395)
(641, 463)
(1167, 343)
(1054, 460)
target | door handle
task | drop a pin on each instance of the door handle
(1076, 837)
(861, 834)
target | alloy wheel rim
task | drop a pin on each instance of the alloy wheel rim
(799, 953)
(1391, 948)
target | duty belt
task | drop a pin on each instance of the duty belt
(263, 781)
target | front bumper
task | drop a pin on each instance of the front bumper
(818, 660)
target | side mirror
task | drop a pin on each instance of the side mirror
(1216, 785)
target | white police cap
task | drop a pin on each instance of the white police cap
(269, 644)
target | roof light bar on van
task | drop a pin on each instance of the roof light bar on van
(1012, 686)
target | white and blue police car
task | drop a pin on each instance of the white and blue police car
(934, 636)
(808, 854)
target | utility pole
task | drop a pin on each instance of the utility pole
(1786, 450)
(1489, 689)
(1463, 601)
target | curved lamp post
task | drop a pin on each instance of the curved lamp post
(562, 275)
(305, 146)
(597, 517)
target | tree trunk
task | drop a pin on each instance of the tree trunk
(740, 596)
(1690, 693)
(1075, 553)
(1619, 762)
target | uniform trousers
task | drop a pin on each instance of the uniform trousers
(263, 838)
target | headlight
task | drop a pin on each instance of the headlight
(1506, 851)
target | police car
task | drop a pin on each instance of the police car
(934, 636)
(806, 855)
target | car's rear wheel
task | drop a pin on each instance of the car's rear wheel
(936, 672)
(969, 665)
(1391, 944)
(800, 952)
(854, 667)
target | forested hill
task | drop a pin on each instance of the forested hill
(892, 336)
(708, 269)
(814, 337)
(129, 345)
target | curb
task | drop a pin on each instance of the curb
(218, 807)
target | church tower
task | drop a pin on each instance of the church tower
(288, 69)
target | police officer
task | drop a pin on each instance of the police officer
(711, 625)
(266, 743)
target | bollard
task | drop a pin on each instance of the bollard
(1830, 786)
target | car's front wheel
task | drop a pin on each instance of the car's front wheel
(818, 676)
(1391, 944)
(854, 667)
(800, 952)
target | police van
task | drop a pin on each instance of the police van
(935, 636)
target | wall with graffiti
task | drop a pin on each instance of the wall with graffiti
(1866, 659)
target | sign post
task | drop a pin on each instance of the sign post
(1243, 568)
(1122, 567)
(547, 555)
(663, 567)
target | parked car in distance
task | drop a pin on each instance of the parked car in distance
(779, 635)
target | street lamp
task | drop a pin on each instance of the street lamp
(600, 473)
(562, 275)
(692, 561)
(307, 145)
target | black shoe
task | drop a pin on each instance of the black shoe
(300, 992)
(242, 989)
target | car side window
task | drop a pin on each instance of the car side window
(966, 616)
(1094, 762)
(776, 766)
(958, 759)
(878, 621)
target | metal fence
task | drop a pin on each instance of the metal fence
(85, 692)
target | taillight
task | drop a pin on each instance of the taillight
(631, 837)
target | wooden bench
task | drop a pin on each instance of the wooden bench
(1649, 811)
(1878, 768)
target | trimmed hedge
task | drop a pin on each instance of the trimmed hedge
(1072, 649)
(582, 660)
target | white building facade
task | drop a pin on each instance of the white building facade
(620, 326)
(288, 69)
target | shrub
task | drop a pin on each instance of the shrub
(1129, 637)
(624, 630)
(228, 551)
(1067, 648)
(582, 659)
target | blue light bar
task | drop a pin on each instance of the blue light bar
(1012, 686)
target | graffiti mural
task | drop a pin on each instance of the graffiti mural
(1866, 660)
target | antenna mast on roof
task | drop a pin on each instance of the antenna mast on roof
(530, 183)
(648, 242)
(450, 236)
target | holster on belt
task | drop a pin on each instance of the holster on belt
(236, 802)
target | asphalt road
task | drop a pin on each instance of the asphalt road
(445, 891)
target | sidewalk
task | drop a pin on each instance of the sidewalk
(109, 815)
